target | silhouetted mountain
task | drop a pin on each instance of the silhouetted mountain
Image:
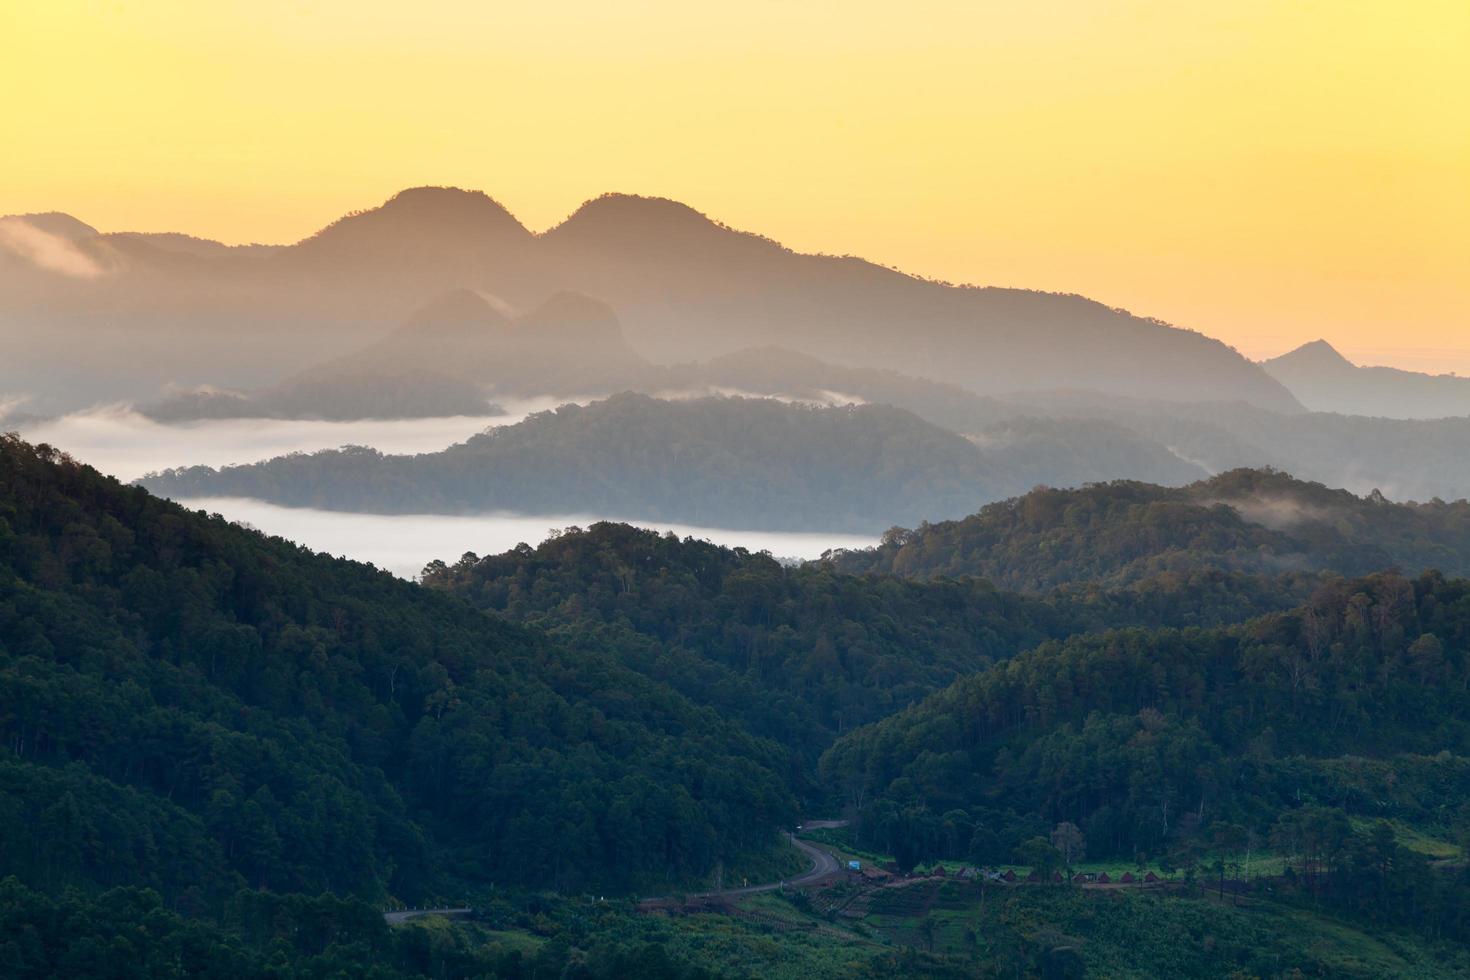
(457, 312)
(1116, 533)
(446, 359)
(569, 345)
(1325, 381)
(56, 223)
(419, 236)
(685, 288)
(690, 288)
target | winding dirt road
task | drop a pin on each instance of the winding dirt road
(403, 915)
(824, 868)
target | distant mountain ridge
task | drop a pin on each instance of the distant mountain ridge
(685, 287)
(727, 462)
(712, 462)
(1325, 381)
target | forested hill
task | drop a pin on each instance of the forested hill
(220, 746)
(1351, 708)
(802, 654)
(1115, 533)
(715, 462)
(190, 706)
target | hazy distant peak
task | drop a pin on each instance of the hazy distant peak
(55, 243)
(1317, 352)
(430, 199)
(623, 217)
(614, 206)
(420, 211)
(55, 223)
(575, 317)
(457, 308)
(1325, 381)
(571, 305)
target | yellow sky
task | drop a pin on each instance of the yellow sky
(1266, 172)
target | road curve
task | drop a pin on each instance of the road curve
(403, 915)
(824, 866)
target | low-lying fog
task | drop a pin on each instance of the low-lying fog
(404, 544)
(120, 442)
(127, 445)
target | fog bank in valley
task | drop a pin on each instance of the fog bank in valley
(122, 443)
(404, 543)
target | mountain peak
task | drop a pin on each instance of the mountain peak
(420, 211)
(626, 216)
(438, 198)
(1317, 352)
(571, 316)
(456, 309)
(56, 223)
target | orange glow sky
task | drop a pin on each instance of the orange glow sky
(1266, 172)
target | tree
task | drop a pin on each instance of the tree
(1040, 856)
(1070, 842)
(1229, 839)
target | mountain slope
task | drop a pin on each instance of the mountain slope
(1244, 520)
(1325, 381)
(689, 288)
(1289, 728)
(193, 707)
(569, 345)
(800, 654)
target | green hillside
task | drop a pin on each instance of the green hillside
(195, 708)
(1300, 733)
(801, 654)
(1112, 534)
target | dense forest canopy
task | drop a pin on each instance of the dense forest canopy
(1149, 740)
(222, 746)
(193, 707)
(1255, 521)
(800, 654)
